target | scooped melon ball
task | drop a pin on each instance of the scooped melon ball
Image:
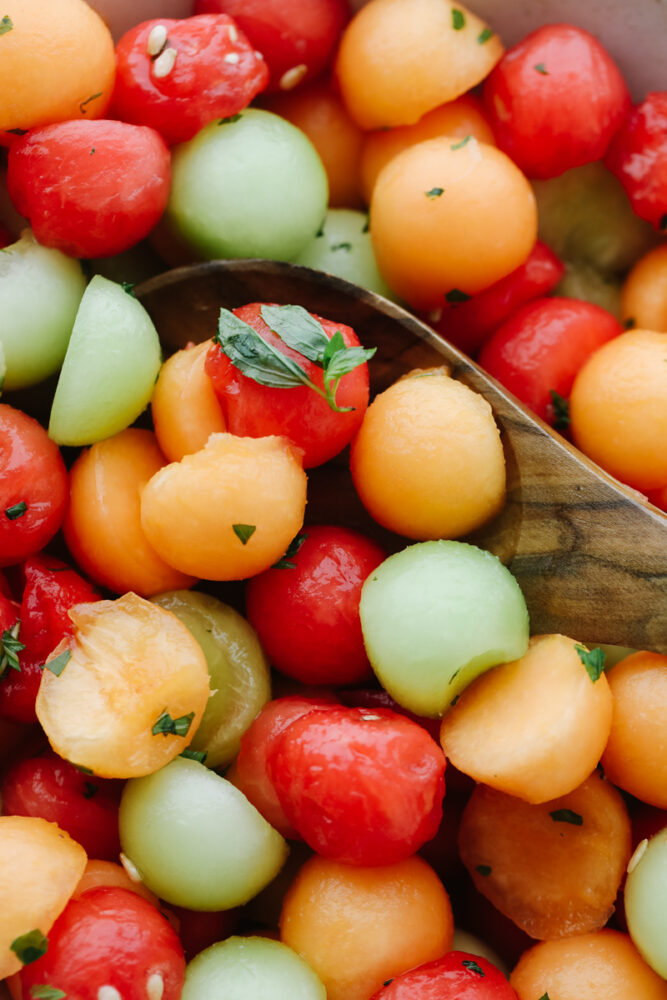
(231, 509)
(427, 461)
(449, 218)
(250, 187)
(437, 615)
(646, 900)
(243, 967)
(399, 59)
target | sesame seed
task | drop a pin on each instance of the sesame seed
(258, 54)
(155, 987)
(370, 718)
(637, 856)
(164, 63)
(232, 57)
(156, 40)
(292, 76)
(233, 33)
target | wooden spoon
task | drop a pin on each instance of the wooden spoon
(590, 554)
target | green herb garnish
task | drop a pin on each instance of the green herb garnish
(462, 143)
(58, 664)
(230, 120)
(458, 19)
(10, 647)
(29, 947)
(541, 68)
(90, 790)
(434, 193)
(6, 24)
(285, 561)
(244, 532)
(46, 993)
(341, 246)
(484, 36)
(561, 408)
(484, 870)
(198, 755)
(166, 726)
(84, 104)
(593, 660)
(16, 510)
(473, 966)
(259, 360)
(567, 816)
(456, 296)
(128, 287)
(16, 131)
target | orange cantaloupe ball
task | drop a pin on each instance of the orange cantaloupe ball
(636, 755)
(555, 868)
(618, 408)
(427, 461)
(534, 728)
(644, 294)
(98, 873)
(399, 59)
(58, 63)
(40, 866)
(357, 927)
(450, 218)
(601, 966)
(460, 118)
(131, 664)
(184, 407)
(318, 110)
(103, 523)
(228, 511)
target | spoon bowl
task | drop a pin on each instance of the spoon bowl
(589, 553)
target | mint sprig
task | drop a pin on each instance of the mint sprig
(10, 647)
(259, 360)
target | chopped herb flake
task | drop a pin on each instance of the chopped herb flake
(341, 246)
(541, 68)
(90, 790)
(82, 768)
(92, 151)
(58, 664)
(6, 24)
(630, 323)
(29, 947)
(434, 193)
(367, 225)
(198, 755)
(128, 286)
(484, 870)
(567, 816)
(458, 19)
(46, 993)
(16, 131)
(545, 996)
(561, 408)
(10, 647)
(84, 104)
(484, 36)
(462, 143)
(593, 660)
(166, 726)
(230, 120)
(454, 699)
(473, 966)
(16, 510)
(456, 296)
(244, 532)
(292, 549)
(387, 982)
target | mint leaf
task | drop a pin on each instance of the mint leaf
(29, 947)
(198, 755)
(593, 660)
(6, 24)
(473, 966)
(244, 532)
(10, 647)
(255, 357)
(458, 19)
(16, 510)
(58, 664)
(46, 993)
(347, 360)
(567, 816)
(166, 726)
(435, 192)
(484, 36)
(298, 329)
(292, 549)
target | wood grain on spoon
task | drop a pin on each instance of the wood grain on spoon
(590, 555)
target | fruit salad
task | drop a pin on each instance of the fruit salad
(248, 751)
